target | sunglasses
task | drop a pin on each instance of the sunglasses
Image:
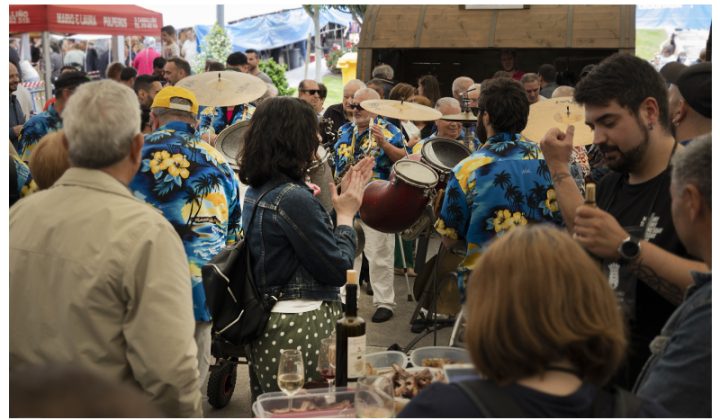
(311, 91)
(355, 106)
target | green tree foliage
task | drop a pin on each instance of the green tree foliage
(276, 72)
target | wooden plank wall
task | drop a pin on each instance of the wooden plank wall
(539, 26)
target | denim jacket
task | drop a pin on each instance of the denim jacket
(678, 374)
(295, 252)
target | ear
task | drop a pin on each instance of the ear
(650, 111)
(136, 148)
(694, 202)
(681, 113)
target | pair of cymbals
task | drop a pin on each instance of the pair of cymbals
(224, 88)
(558, 113)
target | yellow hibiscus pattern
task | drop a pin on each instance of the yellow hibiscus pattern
(175, 165)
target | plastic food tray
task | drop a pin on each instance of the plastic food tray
(455, 354)
(265, 404)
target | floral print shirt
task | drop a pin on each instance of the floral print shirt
(25, 184)
(504, 184)
(215, 118)
(35, 129)
(196, 190)
(353, 145)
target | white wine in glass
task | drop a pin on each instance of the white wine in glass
(291, 373)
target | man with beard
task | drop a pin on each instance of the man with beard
(631, 228)
(17, 117)
(504, 184)
(146, 87)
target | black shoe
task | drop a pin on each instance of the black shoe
(382, 315)
(369, 290)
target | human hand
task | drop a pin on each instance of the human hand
(557, 146)
(348, 202)
(364, 167)
(598, 231)
(378, 135)
(17, 130)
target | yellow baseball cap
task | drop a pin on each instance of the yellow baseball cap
(162, 99)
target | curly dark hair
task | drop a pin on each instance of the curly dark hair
(281, 139)
(627, 79)
(506, 103)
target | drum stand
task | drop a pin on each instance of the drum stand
(432, 283)
(410, 296)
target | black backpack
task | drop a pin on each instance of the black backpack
(239, 311)
(495, 402)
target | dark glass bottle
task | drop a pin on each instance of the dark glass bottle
(351, 339)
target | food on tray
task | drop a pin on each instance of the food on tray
(437, 362)
(408, 385)
(308, 405)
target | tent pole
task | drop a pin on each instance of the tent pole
(307, 56)
(318, 43)
(48, 64)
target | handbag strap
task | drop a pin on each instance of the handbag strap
(257, 204)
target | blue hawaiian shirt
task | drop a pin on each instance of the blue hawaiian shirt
(197, 191)
(35, 129)
(25, 184)
(352, 146)
(215, 118)
(504, 184)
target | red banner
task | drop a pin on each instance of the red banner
(88, 19)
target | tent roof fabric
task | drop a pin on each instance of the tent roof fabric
(83, 19)
(684, 17)
(275, 29)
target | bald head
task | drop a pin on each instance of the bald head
(563, 91)
(363, 117)
(349, 93)
(365, 94)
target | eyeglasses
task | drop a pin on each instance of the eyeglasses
(355, 106)
(311, 91)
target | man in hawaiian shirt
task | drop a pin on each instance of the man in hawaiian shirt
(448, 129)
(195, 188)
(504, 184)
(51, 120)
(371, 135)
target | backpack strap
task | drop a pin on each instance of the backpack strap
(490, 399)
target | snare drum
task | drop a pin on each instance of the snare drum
(394, 205)
(442, 155)
(320, 174)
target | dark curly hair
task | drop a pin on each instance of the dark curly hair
(506, 103)
(281, 139)
(627, 79)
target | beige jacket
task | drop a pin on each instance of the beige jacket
(99, 279)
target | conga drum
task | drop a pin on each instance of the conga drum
(394, 205)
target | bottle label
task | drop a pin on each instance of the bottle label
(356, 356)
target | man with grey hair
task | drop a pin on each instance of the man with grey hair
(445, 128)
(461, 85)
(196, 190)
(531, 84)
(678, 374)
(103, 272)
(368, 135)
(339, 114)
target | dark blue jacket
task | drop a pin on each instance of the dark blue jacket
(295, 252)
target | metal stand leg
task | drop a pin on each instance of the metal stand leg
(410, 296)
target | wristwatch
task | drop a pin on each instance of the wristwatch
(629, 249)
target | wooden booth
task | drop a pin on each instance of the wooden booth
(451, 40)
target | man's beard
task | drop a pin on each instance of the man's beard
(630, 159)
(481, 133)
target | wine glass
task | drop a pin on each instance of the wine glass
(374, 397)
(326, 361)
(291, 373)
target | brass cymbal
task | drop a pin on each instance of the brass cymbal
(466, 116)
(560, 113)
(231, 142)
(401, 110)
(224, 88)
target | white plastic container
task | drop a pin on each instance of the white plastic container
(266, 403)
(383, 360)
(454, 354)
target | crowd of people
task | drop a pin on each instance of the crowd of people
(572, 308)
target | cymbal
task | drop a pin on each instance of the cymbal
(466, 116)
(560, 113)
(224, 88)
(401, 110)
(231, 142)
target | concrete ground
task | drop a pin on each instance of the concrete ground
(379, 337)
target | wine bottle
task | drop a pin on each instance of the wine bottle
(351, 339)
(590, 194)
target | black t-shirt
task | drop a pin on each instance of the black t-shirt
(644, 211)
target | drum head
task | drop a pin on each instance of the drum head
(230, 141)
(443, 153)
(415, 173)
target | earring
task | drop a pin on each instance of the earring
(650, 126)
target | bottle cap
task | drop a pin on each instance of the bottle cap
(352, 277)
